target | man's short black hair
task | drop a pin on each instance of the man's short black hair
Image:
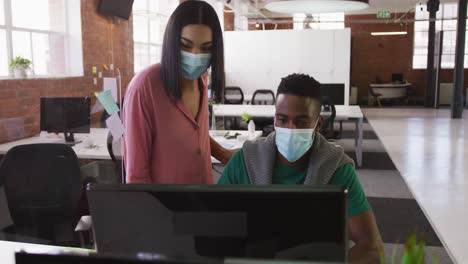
(300, 85)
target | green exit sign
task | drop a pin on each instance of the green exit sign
(384, 14)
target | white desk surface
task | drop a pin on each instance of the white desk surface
(98, 135)
(389, 85)
(99, 138)
(342, 111)
(8, 250)
(218, 135)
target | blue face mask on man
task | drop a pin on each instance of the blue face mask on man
(294, 143)
(194, 65)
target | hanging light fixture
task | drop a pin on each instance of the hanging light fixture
(315, 6)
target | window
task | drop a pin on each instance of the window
(39, 30)
(149, 22)
(446, 21)
(319, 21)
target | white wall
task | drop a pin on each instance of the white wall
(259, 59)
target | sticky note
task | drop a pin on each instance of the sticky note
(110, 84)
(106, 99)
(5, 216)
(105, 67)
(97, 107)
(115, 125)
(95, 81)
(100, 74)
(94, 69)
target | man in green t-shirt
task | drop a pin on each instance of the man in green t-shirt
(297, 154)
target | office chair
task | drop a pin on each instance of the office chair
(376, 96)
(264, 97)
(43, 188)
(327, 129)
(114, 147)
(233, 95)
(410, 94)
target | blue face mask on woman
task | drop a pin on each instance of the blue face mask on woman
(294, 143)
(194, 65)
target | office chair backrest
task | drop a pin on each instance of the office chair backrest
(263, 97)
(233, 95)
(114, 147)
(43, 187)
(329, 115)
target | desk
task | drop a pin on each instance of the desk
(343, 112)
(8, 250)
(219, 136)
(99, 138)
(390, 90)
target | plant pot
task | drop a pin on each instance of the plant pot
(251, 127)
(20, 73)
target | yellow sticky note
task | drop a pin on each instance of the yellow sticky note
(94, 69)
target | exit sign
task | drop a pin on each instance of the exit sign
(383, 14)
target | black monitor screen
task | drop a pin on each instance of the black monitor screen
(397, 77)
(65, 114)
(28, 258)
(118, 8)
(266, 222)
(334, 92)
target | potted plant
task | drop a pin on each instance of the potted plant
(250, 123)
(19, 66)
(414, 252)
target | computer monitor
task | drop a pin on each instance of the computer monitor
(233, 221)
(66, 115)
(118, 8)
(397, 78)
(71, 258)
(335, 92)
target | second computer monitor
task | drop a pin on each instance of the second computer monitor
(67, 115)
(335, 92)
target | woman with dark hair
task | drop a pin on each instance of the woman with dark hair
(165, 113)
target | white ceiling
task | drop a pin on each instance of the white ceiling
(374, 6)
(393, 5)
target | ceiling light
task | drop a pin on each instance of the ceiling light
(392, 33)
(315, 6)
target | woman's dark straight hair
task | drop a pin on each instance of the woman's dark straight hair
(192, 12)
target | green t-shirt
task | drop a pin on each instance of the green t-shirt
(236, 173)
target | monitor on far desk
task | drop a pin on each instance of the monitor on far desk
(334, 92)
(397, 78)
(66, 115)
(235, 221)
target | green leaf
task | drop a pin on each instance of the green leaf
(19, 62)
(246, 117)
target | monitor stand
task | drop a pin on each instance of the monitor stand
(70, 139)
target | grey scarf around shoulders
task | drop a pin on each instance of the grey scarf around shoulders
(325, 158)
